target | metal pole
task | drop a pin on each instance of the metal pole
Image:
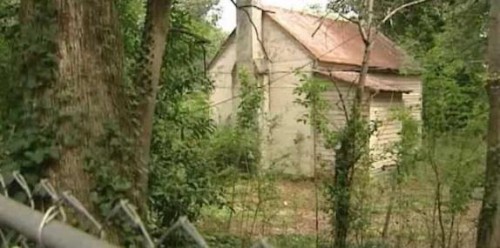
(55, 234)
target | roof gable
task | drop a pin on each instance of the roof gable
(336, 41)
(230, 38)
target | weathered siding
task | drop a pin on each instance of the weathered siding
(336, 116)
(291, 146)
(220, 72)
(411, 100)
(382, 110)
(289, 138)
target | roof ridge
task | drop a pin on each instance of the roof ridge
(273, 8)
(341, 44)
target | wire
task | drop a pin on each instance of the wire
(24, 185)
(47, 217)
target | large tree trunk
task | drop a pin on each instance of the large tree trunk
(488, 232)
(83, 94)
(90, 72)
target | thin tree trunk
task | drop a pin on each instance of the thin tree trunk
(347, 155)
(148, 77)
(342, 210)
(488, 231)
(387, 220)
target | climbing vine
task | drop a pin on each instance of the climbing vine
(27, 127)
(348, 142)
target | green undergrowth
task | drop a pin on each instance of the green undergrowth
(278, 241)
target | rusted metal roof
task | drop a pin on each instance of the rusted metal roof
(373, 82)
(336, 41)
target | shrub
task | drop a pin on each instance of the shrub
(233, 148)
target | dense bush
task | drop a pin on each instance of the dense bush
(235, 149)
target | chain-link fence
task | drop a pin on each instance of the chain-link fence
(23, 226)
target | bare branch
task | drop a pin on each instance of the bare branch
(363, 33)
(341, 97)
(396, 10)
(324, 17)
(321, 22)
(257, 7)
(198, 37)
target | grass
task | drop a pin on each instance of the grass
(283, 209)
(284, 241)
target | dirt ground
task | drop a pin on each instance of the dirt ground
(290, 207)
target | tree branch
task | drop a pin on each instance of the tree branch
(198, 37)
(255, 6)
(363, 33)
(324, 17)
(321, 22)
(342, 101)
(396, 10)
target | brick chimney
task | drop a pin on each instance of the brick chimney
(248, 32)
(251, 57)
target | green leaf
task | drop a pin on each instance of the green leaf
(122, 185)
(37, 156)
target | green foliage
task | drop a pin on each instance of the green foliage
(351, 158)
(310, 96)
(447, 37)
(406, 150)
(442, 186)
(198, 8)
(192, 160)
(457, 164)
(251, 95)
(26, 132)
(297, 241)
(132, 14)
(184, 175)
(237, 146)
(233, 148)
(112, 151)
(224, 241)
(350, 144)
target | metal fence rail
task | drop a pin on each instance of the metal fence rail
(53, 234)
(43, 229)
